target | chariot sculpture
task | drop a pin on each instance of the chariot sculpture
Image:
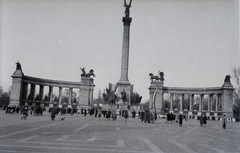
(87, 75)
(159, 77)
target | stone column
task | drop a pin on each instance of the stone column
(70, 96)
(41, 92)
(216, 104)
(50, 94)
(181, 101)
(125, 50)
(150, 100)
(219, 102)
(200, 104)
(60, 95)
(191, 101)
(210, 102)
(208, 109)
(171, 102)
(33, 87)
(25, 91)
(91, 98)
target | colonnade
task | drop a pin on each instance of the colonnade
(212, 100)
(20, 95)
(32, 96)
(218, 102)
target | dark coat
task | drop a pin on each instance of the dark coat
(204, 119)
(180, 119)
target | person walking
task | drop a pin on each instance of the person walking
(201, 120)
(53, 114)
(99, 114)
(180, 119)
(224, 120)
(126, 115)
(204, 120)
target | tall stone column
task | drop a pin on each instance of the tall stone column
(219, 102)
(216, 104)
(91, 97)
(191, 101)
(151, 100)
(50, 94)
(210, 102)
(181, 102)
(171, 102)
(70, 96)
(124, 85)
(41, 92)
(202, 101)
(60, 95)
(25, 92)
(125, 49)
(33, 87)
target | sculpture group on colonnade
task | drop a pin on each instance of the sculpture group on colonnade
(159, 77)
(87, 75)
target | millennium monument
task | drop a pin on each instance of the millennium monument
(123, 88)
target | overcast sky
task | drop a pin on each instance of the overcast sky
(194, 42)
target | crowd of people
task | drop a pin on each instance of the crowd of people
(146, 116)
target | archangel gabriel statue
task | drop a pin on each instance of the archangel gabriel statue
(127, 11)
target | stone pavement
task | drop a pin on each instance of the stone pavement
(38, 134)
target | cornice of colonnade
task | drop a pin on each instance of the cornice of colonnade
(189, 90)
(54, 83)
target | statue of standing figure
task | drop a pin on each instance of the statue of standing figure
(18, 66)
(127, 11)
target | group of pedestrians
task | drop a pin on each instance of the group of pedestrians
(12, 109)
(202, 119)
(147, 116)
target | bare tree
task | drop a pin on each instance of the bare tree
(236, 93)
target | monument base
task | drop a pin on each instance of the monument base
(123, 92)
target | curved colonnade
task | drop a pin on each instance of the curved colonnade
(23, 91)
(209, 101)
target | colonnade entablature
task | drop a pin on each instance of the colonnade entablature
(24, 91)
(211, 101)
(185, 90)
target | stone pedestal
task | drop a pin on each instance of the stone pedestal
(227, 99)
(16, 91)
(86, 93)
(156, 96)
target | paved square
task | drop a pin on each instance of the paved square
(77, 133)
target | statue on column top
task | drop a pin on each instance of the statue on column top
(227, 79)
(127, 11)
(18, 66)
